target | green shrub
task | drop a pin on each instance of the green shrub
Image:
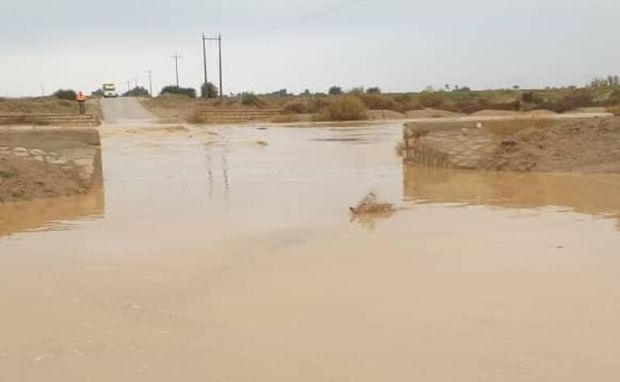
(208, 90)
(373, 90)
(190, 92)
(66, 94)
(137, 92)
(250, 99)
(344, 109)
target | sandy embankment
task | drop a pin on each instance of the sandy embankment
(564, 144)
(50, 162)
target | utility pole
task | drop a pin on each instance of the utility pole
(176, 66)
(150, 72)
(135, 79)
(204, 57)
(219, 43)
(128, 86)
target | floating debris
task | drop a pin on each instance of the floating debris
(370, 205)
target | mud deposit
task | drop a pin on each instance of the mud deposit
(216, 258)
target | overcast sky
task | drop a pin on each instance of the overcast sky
(398, 45)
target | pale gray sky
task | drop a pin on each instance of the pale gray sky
(399, 45)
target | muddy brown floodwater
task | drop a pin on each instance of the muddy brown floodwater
(228, 254)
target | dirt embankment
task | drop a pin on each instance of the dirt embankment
(580, 145)
(38, 105)
(48, 163)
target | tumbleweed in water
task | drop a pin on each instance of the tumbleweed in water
(370, 205)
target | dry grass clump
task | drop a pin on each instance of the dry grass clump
(615, 110)
(348, 108)
(370, 205)
(37, 105)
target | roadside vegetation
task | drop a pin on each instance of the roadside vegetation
(359, 104)
(51, 104)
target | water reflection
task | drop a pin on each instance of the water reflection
(51, 214)
(595, 194)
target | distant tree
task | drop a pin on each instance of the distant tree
(516, 87)
(190, 92)
(97, 93)
(66, 94)
(464, 89)
(357, 90)
(306, 92)
(280, 93)
(249, 99)
(373, 90)
(335, 90)
(138, 91)
(208, 90)
(608, 82)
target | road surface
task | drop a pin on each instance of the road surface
(125, 110)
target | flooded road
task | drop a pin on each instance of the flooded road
(227, 254)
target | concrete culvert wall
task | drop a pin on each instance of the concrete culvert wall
(48, 162)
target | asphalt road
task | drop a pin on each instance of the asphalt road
(124, 110)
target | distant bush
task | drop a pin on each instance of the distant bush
(373, 90)
(279, 93)
(249, 99)
(66, 94)
(615, 110)
(335, 90)
(344, 109)
(376, 101)
(317, 104)
(574, 100)
(208, 90)
(357, 90)
(190, 92)
(430, 99)
(137, 92)
(605, 82)
(407, 102)
(613, 99)
(295, 108)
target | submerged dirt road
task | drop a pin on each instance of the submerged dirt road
(227, 254)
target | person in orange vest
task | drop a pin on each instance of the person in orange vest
(81, 100)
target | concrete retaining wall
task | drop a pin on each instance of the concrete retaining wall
(48, 162)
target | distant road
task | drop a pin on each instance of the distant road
(125, 110)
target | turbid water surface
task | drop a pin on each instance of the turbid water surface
(228, 254)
